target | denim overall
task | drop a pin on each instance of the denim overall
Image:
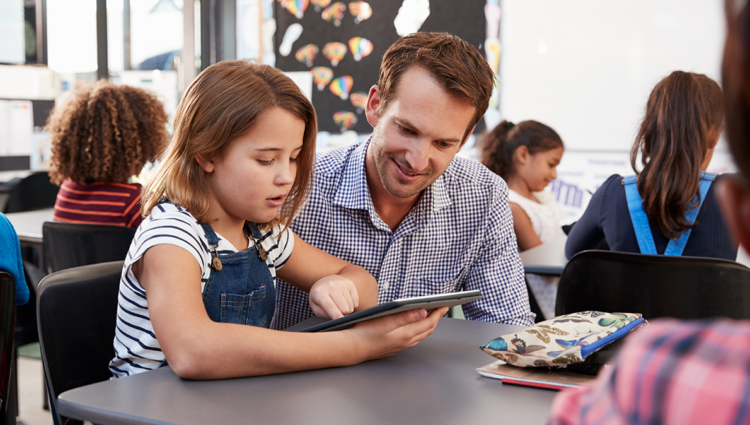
(240, 288)
(640, 220)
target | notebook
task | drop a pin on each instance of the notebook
(540, 377)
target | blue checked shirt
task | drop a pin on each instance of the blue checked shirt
(458, 236)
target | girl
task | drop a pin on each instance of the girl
(202, 263)
(671, 200)
(526, 156)
(101, 137)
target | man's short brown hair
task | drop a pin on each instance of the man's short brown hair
(455, 64)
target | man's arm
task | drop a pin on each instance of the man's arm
(498, 272)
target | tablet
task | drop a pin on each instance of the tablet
(429, 303)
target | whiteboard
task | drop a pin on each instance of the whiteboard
(586, 67)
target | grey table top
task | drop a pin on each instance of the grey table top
(6, 176)
(432, 383)
(28, 224)
(548, 258)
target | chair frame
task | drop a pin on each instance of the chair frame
(55, 232)
(90, 337)
(726, 292)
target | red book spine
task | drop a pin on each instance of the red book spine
(534, 384)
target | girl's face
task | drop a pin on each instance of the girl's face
(539, 169)
(251, 179)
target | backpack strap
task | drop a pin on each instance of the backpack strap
(640, 220)
(638, 216)
(677, 246)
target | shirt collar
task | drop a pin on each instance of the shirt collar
(353, 192)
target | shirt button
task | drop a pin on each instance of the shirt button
(385, 286)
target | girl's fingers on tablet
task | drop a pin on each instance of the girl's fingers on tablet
(343, 302)
(326, 307)
(355, 296)
(427, 326)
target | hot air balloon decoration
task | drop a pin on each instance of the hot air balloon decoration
(345, 120)
(334, 52)
(295, 7)
(335, 13)
(341, 86)
(493, 49)
(361, 10)
(321, 76)
(359, 100)
(360, 47)
(306, 54)
(320, 4)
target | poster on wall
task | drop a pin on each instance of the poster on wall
(341, 45)
(16, 127)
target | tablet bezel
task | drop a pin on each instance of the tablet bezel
(428, 302)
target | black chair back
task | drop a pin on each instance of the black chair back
(76, 315)
(67, 245)
(7, 331)
(654, 285)
(33, 192)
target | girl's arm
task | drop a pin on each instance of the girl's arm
(336, 287)
(198, 348)
(525, 234)
(587, 233)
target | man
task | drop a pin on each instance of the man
(419, 220)
(687, 372)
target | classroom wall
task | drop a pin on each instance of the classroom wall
(586, 69)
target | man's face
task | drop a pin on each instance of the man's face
(416, 136)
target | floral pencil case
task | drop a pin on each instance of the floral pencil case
(564, 340)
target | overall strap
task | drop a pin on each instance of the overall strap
(211, 236)
(254, 231)
(256, 236)
(638, 216)
(213, 241)
(677, 246)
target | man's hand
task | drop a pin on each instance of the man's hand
(333, 297)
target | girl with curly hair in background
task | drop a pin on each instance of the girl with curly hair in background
(101, 137)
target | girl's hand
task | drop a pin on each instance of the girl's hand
(333, 297)
(388, 335)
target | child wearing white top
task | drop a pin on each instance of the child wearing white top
(544, 211)
(526, 155)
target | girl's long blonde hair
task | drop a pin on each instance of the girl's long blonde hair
(221, 104)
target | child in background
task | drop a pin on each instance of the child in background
(526, 156)
(202, 263)
(101, 137)
(675, 143)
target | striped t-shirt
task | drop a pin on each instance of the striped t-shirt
(115, 204)
(136, 347)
